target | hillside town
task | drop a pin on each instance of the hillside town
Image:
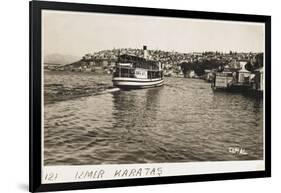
(232, 69)
(225, 71)
(192, 65)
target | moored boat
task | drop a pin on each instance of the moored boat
(239, 80)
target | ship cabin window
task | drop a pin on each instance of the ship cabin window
(154, 74)
(124, 72)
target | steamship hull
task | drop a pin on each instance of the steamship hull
(136, 83)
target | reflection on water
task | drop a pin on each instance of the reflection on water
(180, 122)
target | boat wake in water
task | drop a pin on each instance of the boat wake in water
(64, 88)
(60, 93)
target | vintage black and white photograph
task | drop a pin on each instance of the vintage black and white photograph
(134, 89)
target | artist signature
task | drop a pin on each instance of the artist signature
(237, 150)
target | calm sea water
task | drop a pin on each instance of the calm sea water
(88, 122)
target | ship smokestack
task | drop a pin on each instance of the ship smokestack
(145, 52)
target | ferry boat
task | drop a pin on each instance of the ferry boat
(133, 72)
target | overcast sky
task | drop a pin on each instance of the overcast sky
(76, 33)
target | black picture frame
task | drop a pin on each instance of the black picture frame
(36, 7)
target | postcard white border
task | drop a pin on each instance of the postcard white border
(62, 174)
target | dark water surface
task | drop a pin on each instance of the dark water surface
(88, 122)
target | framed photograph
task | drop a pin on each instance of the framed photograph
(126, 96)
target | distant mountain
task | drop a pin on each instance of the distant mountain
(60, 59)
